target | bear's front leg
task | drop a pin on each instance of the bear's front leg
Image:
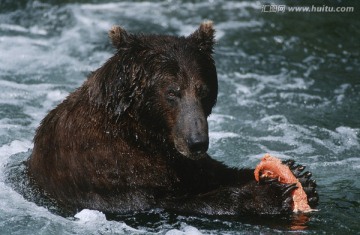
(241, 194)
(251, 198)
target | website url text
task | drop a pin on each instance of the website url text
(313, 8)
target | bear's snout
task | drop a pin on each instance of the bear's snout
(198, 142)
(191, 137)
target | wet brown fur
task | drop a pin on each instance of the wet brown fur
(119, 143)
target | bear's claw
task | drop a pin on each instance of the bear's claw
(308, 184)
(288, 189)
(286, 192)
(265, 180)
(289, 162)
(287, 198)
(287, 203)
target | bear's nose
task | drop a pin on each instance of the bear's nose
(198, 144)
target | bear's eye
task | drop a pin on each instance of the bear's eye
(173, 94)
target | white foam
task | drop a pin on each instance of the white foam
(20, 53)
(231, 5)
(86, 216)
(140, 10)
(56, 95)
(340, 92)
(16, 28)
(215, 136)
(347, 136)
(6, 151)
(216, 119)
(351, 163)
(44, 95)
(93, 220)
(185, 230)
(16, 146)
(13, 204)
(228, 25)
(16, 93)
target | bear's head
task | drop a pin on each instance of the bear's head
(166, 86)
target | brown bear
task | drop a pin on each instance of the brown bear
(134, 136)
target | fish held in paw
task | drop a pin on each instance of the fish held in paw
(272, 168)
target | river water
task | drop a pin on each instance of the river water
(289, 85)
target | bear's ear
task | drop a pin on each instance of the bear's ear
(118, 36)
(204, 36)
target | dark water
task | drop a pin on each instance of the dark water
(289, 85)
